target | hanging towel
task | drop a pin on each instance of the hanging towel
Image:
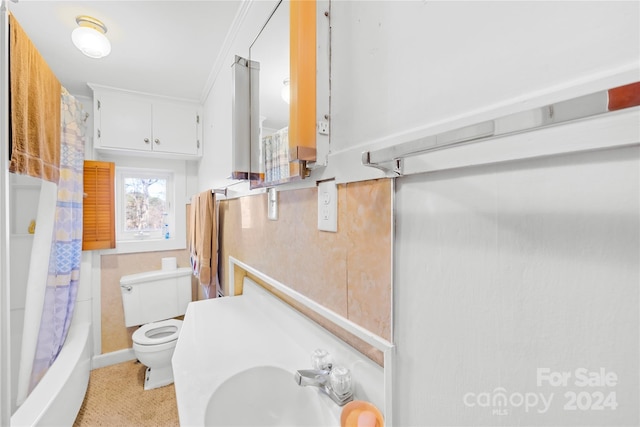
(203, 241)
(193, 215)
(35, 109)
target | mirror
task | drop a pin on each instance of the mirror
(283, 134)
(271, 50)
(270, 120)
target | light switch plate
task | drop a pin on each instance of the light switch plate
(328, 206)
(272, 204)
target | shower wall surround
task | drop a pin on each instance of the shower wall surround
(348, 272)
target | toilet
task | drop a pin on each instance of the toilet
(152, 299)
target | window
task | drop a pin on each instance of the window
(145, 204)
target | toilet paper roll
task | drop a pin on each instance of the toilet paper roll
(169, 263)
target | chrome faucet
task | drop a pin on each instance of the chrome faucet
(312, 377)
(334, 381)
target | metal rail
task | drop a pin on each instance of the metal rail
(390, 159)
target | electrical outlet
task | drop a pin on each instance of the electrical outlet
(323, 127)
(328, 206)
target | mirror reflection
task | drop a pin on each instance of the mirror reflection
(271, 50)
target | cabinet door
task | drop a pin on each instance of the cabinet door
(175, 128)
(125, 122)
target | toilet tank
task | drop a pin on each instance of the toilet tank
(155, 295)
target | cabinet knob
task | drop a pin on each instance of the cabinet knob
(146, 140)
(157, 141)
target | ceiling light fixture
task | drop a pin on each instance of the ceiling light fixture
(89, 37)
(285, 93)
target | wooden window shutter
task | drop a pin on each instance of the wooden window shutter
(98, 221)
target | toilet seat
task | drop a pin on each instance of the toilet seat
(157, 333)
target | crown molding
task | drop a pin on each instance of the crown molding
(238, 20)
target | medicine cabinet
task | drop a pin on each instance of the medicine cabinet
(281, 71)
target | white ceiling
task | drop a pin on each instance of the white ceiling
(161, 47)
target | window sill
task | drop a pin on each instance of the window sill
(147, 245)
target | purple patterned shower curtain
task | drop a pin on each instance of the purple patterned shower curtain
(66, 246)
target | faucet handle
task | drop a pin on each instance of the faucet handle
(321, 359)
(340, 380)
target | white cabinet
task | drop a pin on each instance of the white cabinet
(175, 128)
(143, 124)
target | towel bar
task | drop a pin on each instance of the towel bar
(391, 159)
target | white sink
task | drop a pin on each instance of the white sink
(266, 396)
(235, 360)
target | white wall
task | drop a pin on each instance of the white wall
(500, 270)
(401, 65)
(505, 269)
(401, 70)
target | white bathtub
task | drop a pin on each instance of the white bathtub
(56, 400)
